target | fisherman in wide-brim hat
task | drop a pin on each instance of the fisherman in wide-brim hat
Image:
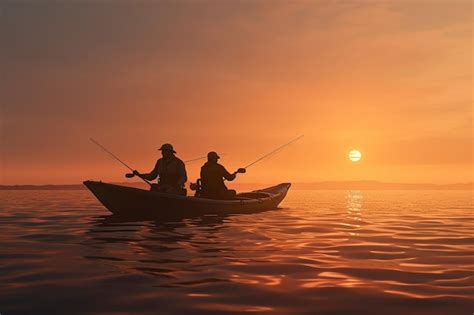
(170, 170)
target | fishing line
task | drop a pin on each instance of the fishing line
(116, 158)
(273, 152)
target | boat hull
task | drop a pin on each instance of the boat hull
(132, 201)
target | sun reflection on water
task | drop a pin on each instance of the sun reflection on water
(354, 202)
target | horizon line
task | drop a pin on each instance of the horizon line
(266, 183)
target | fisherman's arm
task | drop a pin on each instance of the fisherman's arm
(183, 178)
(149, 176)
(232, 176)
(227, 175)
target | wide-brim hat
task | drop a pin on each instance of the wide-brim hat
(167, 147)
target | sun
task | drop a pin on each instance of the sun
(355, 155)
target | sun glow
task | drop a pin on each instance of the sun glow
(355, 155)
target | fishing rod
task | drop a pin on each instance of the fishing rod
(196, 159)
(199, 158)
(274, 151)
(115, 157)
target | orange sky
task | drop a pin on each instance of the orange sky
(392, 79)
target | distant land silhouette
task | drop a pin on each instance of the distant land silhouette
(325, 185)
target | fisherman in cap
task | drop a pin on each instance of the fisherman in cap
(213, 175)
(170, 170)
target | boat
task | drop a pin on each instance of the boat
(131, 201)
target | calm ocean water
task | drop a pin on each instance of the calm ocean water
(324, 252)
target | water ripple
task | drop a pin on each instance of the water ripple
(325, 252)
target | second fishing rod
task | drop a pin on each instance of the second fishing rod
(268, 155)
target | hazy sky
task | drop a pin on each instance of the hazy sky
(390, 78)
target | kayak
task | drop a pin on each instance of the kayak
(131, 201)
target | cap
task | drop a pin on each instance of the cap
(212, 156)
(167, 147)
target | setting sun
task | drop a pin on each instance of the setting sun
(355, 155)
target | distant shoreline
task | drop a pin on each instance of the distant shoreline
(327, 185)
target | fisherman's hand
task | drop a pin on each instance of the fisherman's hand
(241, 170)
(130, 175)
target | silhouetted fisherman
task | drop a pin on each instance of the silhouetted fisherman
(170, 170)
(212, 179)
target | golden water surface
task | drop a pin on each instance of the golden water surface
(324, 252)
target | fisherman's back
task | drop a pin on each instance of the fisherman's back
(171, 171)
(212, 181)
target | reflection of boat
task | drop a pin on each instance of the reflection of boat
(133, 201)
